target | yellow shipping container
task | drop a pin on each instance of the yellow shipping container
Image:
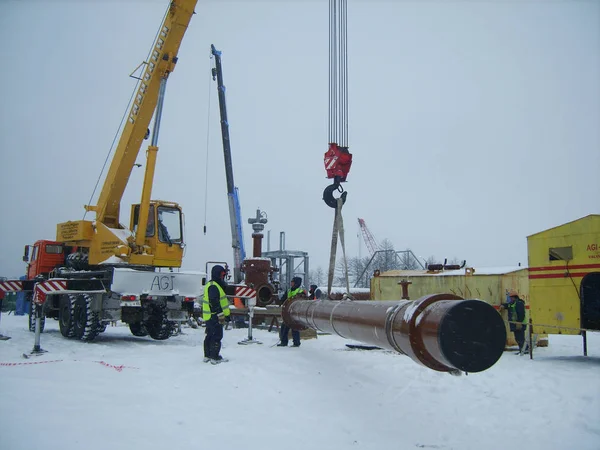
(488, 284)
(564, 277)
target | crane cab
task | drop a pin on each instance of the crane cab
(164, 233)
(43, 257)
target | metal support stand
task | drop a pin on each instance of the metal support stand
(177, 331)
(584, 335)
(37, 349)
(531, 343)
(250, 339)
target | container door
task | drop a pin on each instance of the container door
(590, 301)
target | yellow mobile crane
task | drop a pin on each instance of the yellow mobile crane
(99, 270)
(157, 234)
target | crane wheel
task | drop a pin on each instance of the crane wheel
(157, 324)
(85, 319)
(65, 314)
(138, 329)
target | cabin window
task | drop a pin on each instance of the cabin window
(150, 226)
(561, 254)
(169, 225)
(54, 249)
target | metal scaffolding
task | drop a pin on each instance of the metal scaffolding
(290, 264)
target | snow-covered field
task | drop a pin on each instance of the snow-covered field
(125, 392)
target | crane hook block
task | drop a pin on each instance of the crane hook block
(338, 161)
(328, 197)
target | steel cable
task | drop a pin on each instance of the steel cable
(338, 116)
(207, 143)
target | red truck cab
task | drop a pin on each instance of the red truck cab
(45, 256)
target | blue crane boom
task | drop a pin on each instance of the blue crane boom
(237, 238)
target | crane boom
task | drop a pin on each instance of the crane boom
(237, 239)
(155, 234)
(160, 64)
(368, 237)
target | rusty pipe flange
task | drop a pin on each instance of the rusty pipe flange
(446, 332)
(418, 350)
(264, 295)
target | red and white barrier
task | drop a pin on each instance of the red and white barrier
(52, 286)
(44, 288)
(11, 286)
(244, 292)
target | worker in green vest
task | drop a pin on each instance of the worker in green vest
(215, 312)
(295, 290)
(517, 321)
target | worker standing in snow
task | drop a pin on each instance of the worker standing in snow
(294, 290)
(516, 318)
(215, 312)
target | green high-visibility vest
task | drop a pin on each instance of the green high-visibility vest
(293, 293)
(513, 312)
(206, 312)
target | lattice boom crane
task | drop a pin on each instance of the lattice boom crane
(368, 237)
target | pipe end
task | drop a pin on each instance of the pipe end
(472, 336)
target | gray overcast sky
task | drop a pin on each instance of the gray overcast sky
(473, 124)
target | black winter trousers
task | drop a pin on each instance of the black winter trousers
(520, 337)
(212, 341)
(284, 335)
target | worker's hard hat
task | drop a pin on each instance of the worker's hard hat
(513, 293)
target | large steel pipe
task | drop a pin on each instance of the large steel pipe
(443, 331)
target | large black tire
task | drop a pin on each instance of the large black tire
(85, 321)
(138, 329)
(158, 326)
(32, 318)
(77, 261)
(65, 315)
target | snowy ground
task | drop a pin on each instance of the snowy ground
(124, 392)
